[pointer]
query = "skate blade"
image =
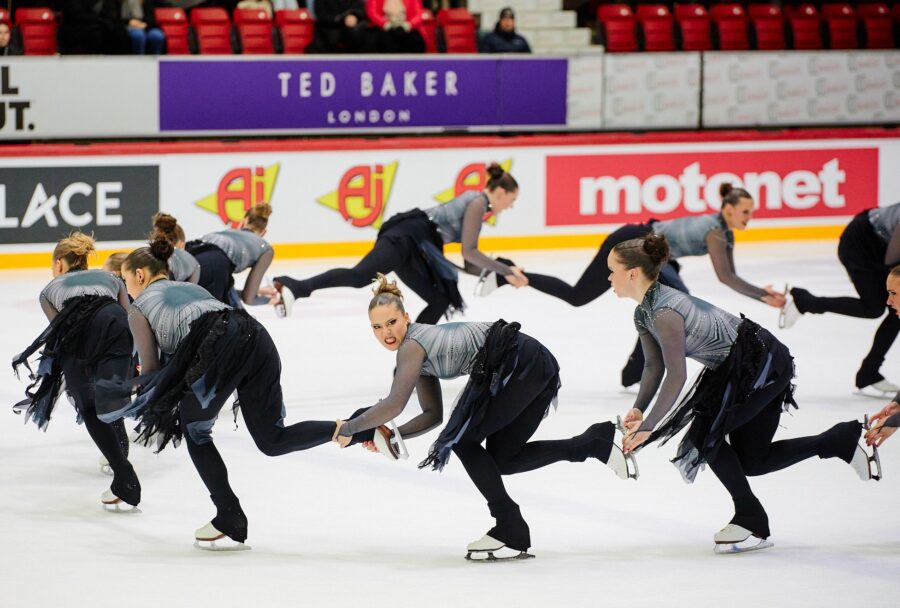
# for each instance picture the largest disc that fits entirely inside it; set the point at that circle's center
(220, 543)
(490, 557)
(874, 460)
(633, 471)
(750, 544)
(121, 507)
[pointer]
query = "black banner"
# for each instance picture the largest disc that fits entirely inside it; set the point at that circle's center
(43, 204)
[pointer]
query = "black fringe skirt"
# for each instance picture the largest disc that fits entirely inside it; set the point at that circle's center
(209, 363)
(414, 227)
(717, 403)
(91, 331)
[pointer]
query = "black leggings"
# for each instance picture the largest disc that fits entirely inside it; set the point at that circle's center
(751, 451)
(262, 407)
(513, 417)
(861, 251)
(388, 255)
(215, 273)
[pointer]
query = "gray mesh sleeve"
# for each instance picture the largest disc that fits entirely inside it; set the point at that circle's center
(893, 421)
(472, 221)
(255, 278)
(892, 256)
(410, 358)
(123, 297)
(722, 255)
(428, 390)
(144, 341)
(652, 375)
(48, 308)
(670, 328)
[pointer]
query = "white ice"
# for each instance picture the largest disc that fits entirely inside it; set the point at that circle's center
(340, 528)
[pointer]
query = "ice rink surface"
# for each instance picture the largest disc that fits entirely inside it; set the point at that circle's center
(342, 528)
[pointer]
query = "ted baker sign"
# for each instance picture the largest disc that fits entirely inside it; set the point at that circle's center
(610, 189)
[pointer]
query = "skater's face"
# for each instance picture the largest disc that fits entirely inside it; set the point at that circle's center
(624, 280)
(389, 324)
(501, 199)
(737, 216)
(893, 289)
(136, 280)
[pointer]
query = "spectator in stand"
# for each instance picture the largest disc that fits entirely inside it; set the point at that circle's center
(504, 38)
(340, 26)
(257, 4)
(6, 45)
(396, 25)
(93, 27)
(138, 17)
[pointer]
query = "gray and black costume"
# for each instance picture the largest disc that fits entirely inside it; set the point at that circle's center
(86, 342)
(868, 248)
(183, 267)
(210, 350)
(687, 236)
(412, 245)
(513, 380)
(224, 253)
(741, 394)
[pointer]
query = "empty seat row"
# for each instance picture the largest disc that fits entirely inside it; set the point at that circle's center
(730, 26)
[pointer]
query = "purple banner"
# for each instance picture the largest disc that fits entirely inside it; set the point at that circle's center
(213, 95)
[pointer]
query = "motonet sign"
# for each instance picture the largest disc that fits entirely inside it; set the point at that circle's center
(622, 188)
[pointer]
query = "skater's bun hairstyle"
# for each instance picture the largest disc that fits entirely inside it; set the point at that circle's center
(113, 263)
(258, 216)
(74, 250)
(731, 195)
(154, 257)
(498, 178)
(166, 226)
(386, 292)
(648, 253)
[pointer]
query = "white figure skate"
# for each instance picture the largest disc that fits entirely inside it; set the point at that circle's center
(209, 538)
(113, 504)
(390, 443)
(736, 539)
(631, 470)
(867, 466)
(485, 548)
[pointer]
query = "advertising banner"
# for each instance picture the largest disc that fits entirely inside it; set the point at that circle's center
(65, 97)
(222, 95)
(651, 90)
(785, 183)
(797, 88)
(43, 204)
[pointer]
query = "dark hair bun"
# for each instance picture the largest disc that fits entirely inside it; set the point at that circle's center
(164, 222)
(495, 171)
(725, 189)
(657, 248)
(162, 249)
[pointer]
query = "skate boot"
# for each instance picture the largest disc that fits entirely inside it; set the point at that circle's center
(631, 465)
(631, 374)
(867, 466)
(789, 313)
(881, 389)
(124, 495)
(487, 284)
(748, 530)
(286, 301)
(601, 445)
(389, 442)
(226, 532)
(511, 532)
(843, 441)
(104, 466)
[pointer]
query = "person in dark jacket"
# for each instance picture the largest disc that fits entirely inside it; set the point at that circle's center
(504, 38)
(93, 28)
(340, 26)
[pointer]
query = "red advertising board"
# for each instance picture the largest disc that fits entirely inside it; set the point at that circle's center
(785, 183)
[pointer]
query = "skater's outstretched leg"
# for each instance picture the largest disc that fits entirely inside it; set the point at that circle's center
(385, 257)
(436, 301)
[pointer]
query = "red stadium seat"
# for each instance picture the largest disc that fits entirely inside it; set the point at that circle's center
(174, 24)
(806, 28)
(618, 28)
(37, 26)
(694, 23)
(213, 29)
(4, 17)
(297, 29)
(840, 23)
(657, 26)
(458, 27)
(254, 27)
(878, 27)
(429, 31)
(731, 24)
(768, 27)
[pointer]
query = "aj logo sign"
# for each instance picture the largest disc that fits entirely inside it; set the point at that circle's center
(238, 191)
(362, 194)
